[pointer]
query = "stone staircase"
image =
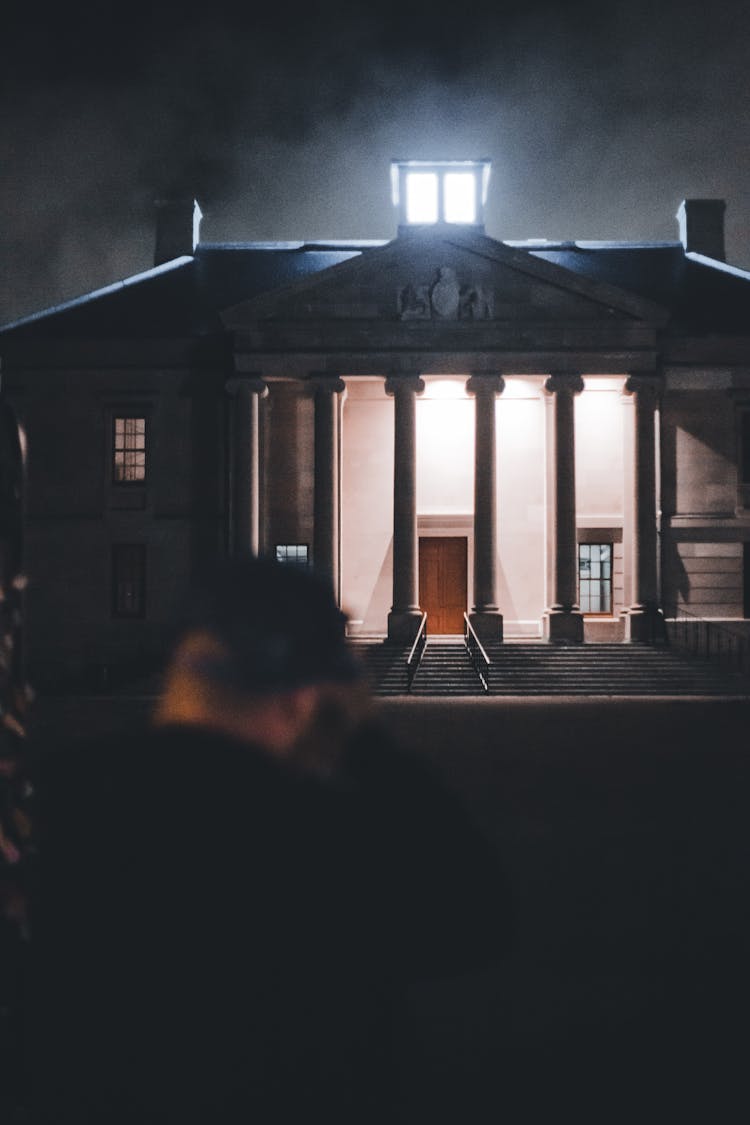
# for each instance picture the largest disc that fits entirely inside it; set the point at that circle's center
(446, 669)
(537, 668)
(385, 666)
(604, 669)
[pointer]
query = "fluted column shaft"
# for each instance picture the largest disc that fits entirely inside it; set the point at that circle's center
(485, 616)
(564, 619)
(404, 616)
(326, 389)
(246, 390)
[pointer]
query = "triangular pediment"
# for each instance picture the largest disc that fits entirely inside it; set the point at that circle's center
(444, 279)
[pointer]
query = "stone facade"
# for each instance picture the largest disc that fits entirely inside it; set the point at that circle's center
(345, 402)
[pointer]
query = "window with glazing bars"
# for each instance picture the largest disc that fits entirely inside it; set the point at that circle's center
(128, 579)
(595, 577)
(129, 451)
(294, 554)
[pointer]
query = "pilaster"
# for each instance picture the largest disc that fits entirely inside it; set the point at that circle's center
(326, 512)
(246, 391)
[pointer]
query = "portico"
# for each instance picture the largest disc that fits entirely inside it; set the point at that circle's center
(402, 460)
(445, 385)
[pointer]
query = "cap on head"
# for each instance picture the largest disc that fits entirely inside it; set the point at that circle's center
(280, 626)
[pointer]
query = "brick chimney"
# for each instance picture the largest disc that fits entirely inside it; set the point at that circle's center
(177, 228)
(702, 227)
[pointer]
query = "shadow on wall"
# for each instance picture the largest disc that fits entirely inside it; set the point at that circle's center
(376, 614)
(504, 598)
(676, 583)
(205, 474)
(701, 434)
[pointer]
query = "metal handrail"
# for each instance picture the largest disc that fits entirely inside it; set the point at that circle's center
(709, 640)
(469, 635)
(420, 642)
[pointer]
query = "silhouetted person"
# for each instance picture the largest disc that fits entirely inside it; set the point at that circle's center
(229, 908)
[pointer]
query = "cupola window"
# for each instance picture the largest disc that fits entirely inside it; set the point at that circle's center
(447, 191)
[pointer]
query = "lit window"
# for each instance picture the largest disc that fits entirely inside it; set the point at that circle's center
(292, 554)
(422, 197)
(440, 191)
(460, 204)
(128, 580)
(595, 577)
(129, 451)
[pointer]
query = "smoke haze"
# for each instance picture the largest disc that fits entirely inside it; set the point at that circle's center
(598, 122)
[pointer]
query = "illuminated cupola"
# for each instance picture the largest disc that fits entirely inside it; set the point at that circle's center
(430, 193)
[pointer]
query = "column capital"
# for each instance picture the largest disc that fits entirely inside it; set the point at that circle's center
(403, 384)
(646, 385)
(564, 383)
(485, 384)
(325, 381)
(250, 380)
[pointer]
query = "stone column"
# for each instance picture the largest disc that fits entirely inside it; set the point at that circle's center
(643, 619)
(485, 615)
(564, 621)
(403, 620)
(326, 389)
(244, 490)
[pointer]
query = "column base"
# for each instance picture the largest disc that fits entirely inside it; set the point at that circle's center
(644, 623)
(487, 624)
(403, 625)
(563, 626)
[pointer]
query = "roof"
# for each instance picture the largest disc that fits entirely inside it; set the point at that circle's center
(184, 299)
(702, 294)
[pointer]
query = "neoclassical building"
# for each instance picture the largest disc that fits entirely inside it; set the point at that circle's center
(551, 437)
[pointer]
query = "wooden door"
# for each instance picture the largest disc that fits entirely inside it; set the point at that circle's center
(442, 582)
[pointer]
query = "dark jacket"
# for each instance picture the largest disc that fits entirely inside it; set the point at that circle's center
(218, 938)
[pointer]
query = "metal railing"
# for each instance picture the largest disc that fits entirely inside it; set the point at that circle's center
(708, 640)
(417, 652)
(477, 655)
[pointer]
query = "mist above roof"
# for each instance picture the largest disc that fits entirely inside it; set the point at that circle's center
(178, 224)
(702, 227)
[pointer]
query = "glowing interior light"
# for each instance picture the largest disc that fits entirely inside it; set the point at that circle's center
(442, 388)
(460, 200)
(421, 197)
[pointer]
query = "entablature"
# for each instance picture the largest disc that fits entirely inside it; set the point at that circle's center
(387, 362)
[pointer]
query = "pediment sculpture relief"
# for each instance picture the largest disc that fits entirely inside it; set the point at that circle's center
(445, 299)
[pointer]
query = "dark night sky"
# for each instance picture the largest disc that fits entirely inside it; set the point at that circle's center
(599, 119)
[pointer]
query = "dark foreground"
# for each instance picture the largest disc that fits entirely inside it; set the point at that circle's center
(624, 828)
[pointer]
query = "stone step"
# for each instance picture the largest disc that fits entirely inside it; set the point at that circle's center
(446, 669)
(535, 668)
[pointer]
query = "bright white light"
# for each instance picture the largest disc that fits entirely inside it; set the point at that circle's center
(445, 463)
(523, 386)
(441, 388)
(604, 383)
(460, 200)
(421, 197)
